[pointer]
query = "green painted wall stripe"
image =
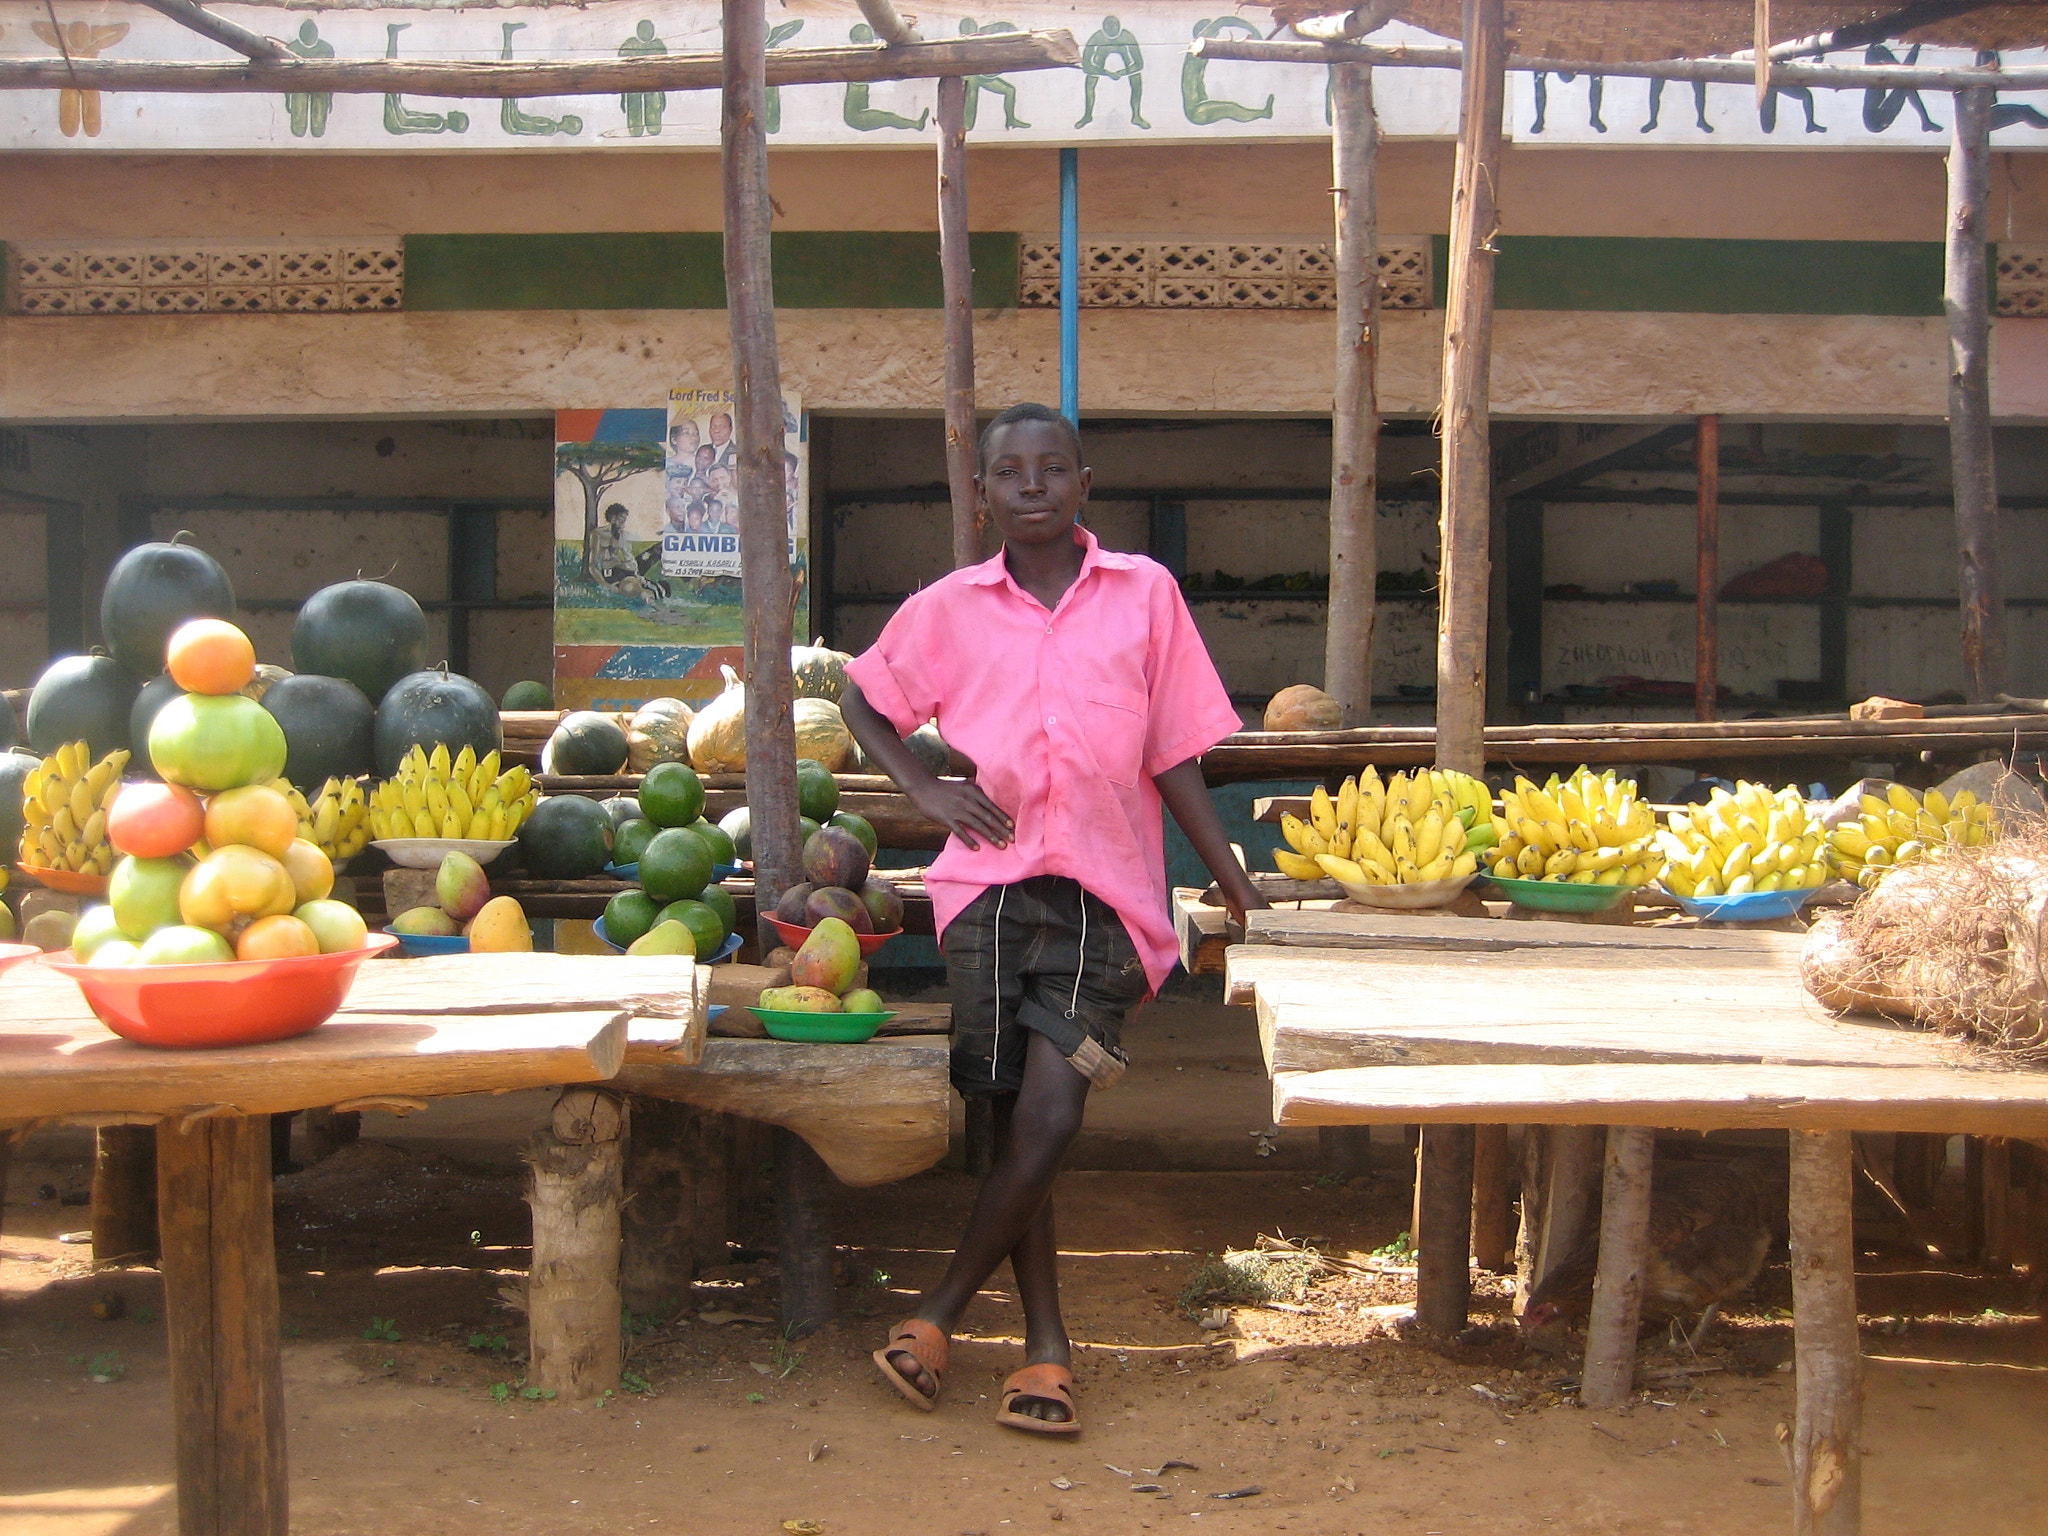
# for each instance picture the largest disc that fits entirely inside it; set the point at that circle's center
(823, 269)
(1713, 277)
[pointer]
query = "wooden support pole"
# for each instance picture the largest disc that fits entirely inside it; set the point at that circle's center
(1570, 1180)
(1610, 1371)
(1463, 581)
(1706, 651)
(1354, 411)
(768, 585)
(1535, 1183)
(1827, 1450)
(189, 13)
(574, 1187)
(1345, 1151)
(1966, 298)
(672, 1220)
(220, 1310)
(1443, 1278)
(1998, 1213)
(804, 1198)
(1973, 1200)
(124, 1195)
(956, 278)
(329, 1130)
(1493, 1183)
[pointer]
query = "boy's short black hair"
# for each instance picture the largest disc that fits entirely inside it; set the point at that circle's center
(1030, 410)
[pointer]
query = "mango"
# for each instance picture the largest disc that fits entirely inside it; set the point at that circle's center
(427, 922)
(791, 908)
(669, 938)
(461, 886)
(863, 1000)
(499, 928)
(829, 958)
(834, 856)
(800, 1000)
(884, 904)
(837, 901)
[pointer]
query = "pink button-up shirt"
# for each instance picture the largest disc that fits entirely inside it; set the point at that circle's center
(1067, 715)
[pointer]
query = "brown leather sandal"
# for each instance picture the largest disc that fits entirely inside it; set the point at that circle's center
(1054, 1383)
(923, 1342)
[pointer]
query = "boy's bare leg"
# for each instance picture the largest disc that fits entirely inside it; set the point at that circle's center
(1012, 1218)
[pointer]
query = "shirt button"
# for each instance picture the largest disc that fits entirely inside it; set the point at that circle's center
(1048, 629)
(1052, 719)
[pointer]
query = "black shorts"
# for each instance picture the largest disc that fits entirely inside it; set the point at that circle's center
(1041, 955)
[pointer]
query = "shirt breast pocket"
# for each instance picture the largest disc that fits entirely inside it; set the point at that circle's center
(1115, 721)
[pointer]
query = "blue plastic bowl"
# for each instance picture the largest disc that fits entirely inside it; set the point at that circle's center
(623, 871)
(729, 948)
(1752, 908)
(417, 944)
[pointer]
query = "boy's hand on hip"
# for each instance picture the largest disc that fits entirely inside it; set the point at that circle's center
(962, 809)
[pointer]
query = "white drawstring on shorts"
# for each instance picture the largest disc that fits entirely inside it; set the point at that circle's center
(996, 965)
(1081, 960)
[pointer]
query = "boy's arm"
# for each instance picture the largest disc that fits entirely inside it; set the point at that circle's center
(1187, 796)
(958, 806)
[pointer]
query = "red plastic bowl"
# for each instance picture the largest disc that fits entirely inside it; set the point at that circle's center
(227, 1002)
(12, 955)
(794, 936)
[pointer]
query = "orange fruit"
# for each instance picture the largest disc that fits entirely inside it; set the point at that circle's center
(235, 882)
(256, 816)
(311, 870)
(276, 938)
(210, 656)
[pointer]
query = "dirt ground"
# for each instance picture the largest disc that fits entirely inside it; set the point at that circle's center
(403, 1377)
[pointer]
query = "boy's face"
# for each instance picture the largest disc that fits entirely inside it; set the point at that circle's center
(1033, 484)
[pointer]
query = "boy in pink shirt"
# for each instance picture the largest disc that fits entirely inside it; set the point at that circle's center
(1074, 679)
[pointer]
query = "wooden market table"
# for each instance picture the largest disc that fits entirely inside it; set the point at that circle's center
(1449, 1021)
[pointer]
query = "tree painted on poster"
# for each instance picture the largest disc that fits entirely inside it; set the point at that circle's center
(597, 468)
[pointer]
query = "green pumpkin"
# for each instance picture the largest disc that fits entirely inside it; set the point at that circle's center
(659, 732)
(819, 670)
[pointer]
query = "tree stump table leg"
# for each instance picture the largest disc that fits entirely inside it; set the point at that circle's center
(808, 1299)
(1610, 1370)
(1535, 1182)
(1493, 1183)
(220, 1301)
(329, 1130)
(572, 1292)
(673, 1217)
(124, 1195)
(1443, 1238)
(1827, 1451)
(1572, 1170)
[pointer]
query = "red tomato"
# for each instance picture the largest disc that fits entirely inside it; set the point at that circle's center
(155, 821)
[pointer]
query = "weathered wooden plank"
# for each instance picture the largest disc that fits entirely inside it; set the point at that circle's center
(1204, 933)
(1703, 1097)
(1311, 928)
(75, 1066)
(874, 1112)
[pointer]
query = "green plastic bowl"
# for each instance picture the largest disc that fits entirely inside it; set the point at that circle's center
(821, 1028)
(1558, 895)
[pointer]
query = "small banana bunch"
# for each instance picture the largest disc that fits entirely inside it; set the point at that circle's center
(64, 804)
(1589, 829)
(1405, 831)
(1752, 840)
(1900, 827)
(336, 821)
(433, 796)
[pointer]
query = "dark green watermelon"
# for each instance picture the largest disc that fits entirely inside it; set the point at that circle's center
(155, 694)
(329, 728)
(428, 708)
(10, 724)
(586, 743)
(568, 837)
(81, 698)
(369, 632)
(154, 588)
(14, 767)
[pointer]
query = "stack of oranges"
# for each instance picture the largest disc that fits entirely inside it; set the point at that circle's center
(213, 866)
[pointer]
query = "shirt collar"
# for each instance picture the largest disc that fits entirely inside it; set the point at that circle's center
(994, 572)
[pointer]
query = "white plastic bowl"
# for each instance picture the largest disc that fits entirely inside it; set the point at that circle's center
(1426, 893)
(428, 852)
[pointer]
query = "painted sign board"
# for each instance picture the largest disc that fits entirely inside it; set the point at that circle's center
(638, 615)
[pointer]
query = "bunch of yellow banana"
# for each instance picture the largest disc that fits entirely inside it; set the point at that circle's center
(1404, 831)
(64, 806)
(1589, 829)
(1900, 827)
(467, 797)
(1752, 840)
(336, 820)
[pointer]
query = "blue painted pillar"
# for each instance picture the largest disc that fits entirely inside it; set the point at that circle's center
(1070, 283)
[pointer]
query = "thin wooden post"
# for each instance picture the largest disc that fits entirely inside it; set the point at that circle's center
(1706, 657)
(673, 1216)
(1966, 298)
(956, 277)
(1493, 1182)
(1443, 1267)
(1973, 1199)
(1345, 1151)
(1573, 1171)
(572, 1291)
(804, 1197)
(124, 1194)
(1827, 1451)
(220, 1309)
(1610, 1370)
(329, 1130)
(1998, 1203)
(757, 410)
(1354, 411)
(1463, 579)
